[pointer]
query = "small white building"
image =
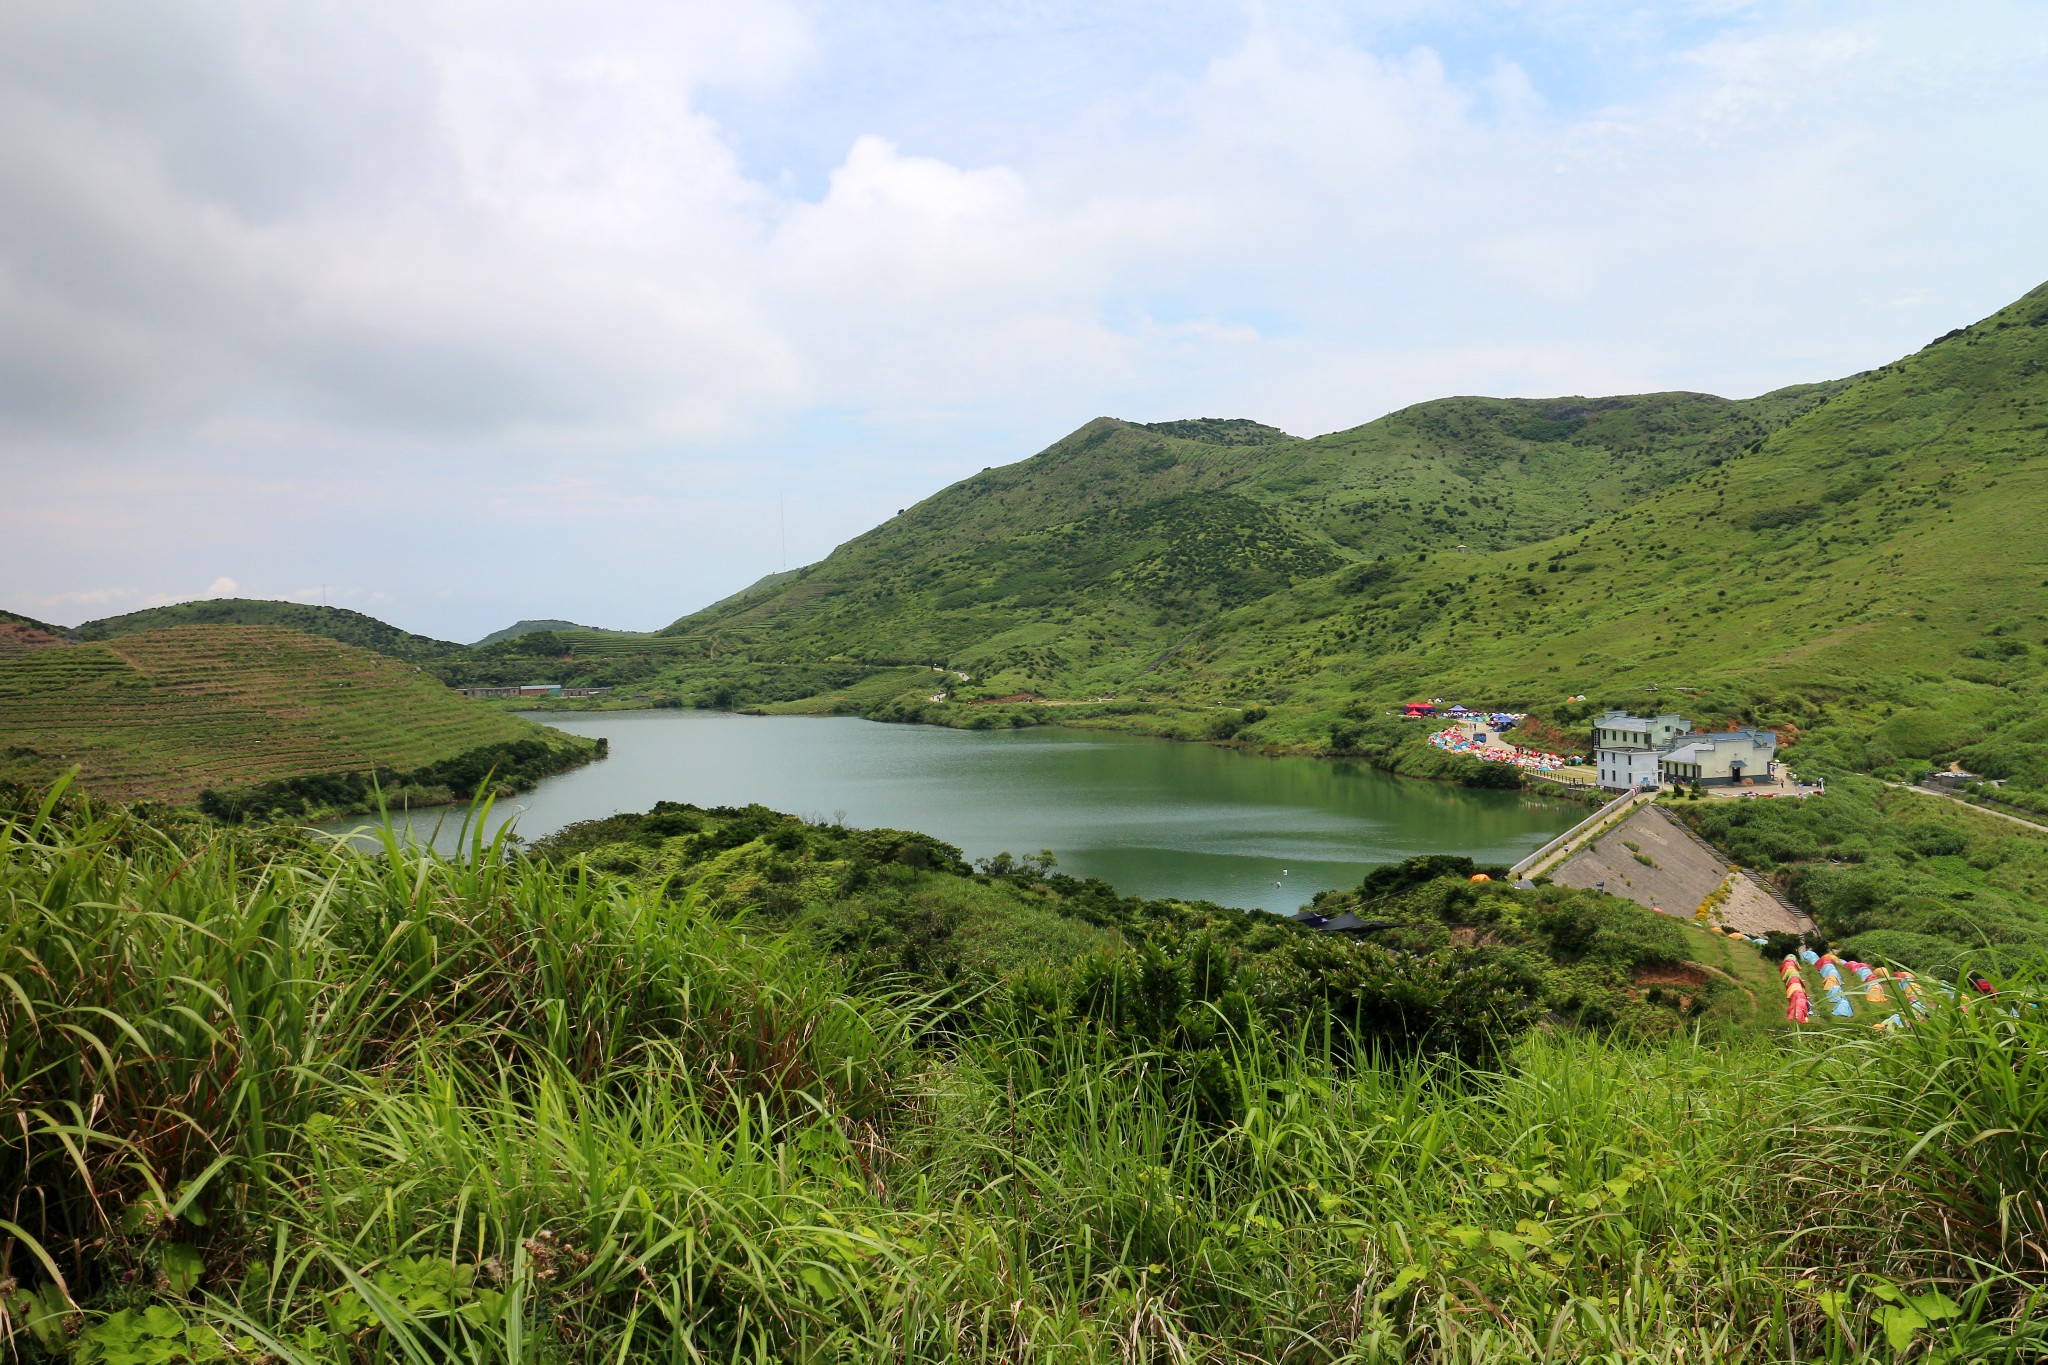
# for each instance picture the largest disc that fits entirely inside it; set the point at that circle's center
(1626, 747)
(1720, 760)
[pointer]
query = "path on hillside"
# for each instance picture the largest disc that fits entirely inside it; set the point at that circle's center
(1970, 805)
(1558, 850)
(1681, 872)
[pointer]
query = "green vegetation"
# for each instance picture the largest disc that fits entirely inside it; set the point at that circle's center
(519, 628)
(15, 618)
(890, 905)
(1842, 563)
(1900, 876)
(333, 623)
(269, 1098)
(268, 719)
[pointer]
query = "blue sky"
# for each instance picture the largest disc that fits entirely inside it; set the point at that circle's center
(458, 314)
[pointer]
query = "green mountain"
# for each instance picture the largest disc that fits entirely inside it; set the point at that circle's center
(519, 628)
(1865, 549)
(334, 623)
(1074, 569)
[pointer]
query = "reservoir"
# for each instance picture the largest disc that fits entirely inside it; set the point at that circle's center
(1151, 817)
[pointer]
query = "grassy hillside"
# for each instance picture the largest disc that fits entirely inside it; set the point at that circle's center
(334, 623)
(15, 618)
(170, 714)
(519, 628)
(1856, 559)
(269, 1099)
(896, 906)
(1074, 570)
(25, 632)
(1857, 565)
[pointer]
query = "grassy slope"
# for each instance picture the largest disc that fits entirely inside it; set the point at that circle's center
(1873, 570)
(15, 618)
(1855, 558)
(529, 627)
(19, 632)
(166, 714)
(1075, 569)
(334, 623)
(335, 1106)
(899, 906)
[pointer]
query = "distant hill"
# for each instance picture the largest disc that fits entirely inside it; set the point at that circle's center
(15, 618)
(519, 628)
(1864, 548)
(1220, 431)
(1075, 569)
(334, 623)
(169, 714)
(25, 632)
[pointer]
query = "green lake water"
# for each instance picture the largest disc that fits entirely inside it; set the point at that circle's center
(1151, 817)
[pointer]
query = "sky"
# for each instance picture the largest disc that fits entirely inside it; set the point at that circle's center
(460, 313)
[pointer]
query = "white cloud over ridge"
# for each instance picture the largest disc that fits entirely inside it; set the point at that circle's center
(371, 292)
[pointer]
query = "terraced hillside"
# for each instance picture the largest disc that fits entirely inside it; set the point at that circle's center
(168, 714)
(335, 623)
(1073, 570)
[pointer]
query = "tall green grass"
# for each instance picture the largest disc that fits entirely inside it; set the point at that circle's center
(262, 1097)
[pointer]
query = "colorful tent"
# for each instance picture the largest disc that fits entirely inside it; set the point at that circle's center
(1909, 986)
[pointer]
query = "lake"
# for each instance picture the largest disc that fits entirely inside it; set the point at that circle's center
(1151, 817)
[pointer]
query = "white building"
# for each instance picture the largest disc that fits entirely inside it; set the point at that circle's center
(1626, 747)
(1719, 760)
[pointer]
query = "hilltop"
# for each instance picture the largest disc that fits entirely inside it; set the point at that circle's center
(25, 632)
(333, 623)
(265, 719)
(519, 628)
(1072, 570)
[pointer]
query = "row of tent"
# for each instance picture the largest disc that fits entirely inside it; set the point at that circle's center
(1456, 741)
(1499, 720)
(1875, 985)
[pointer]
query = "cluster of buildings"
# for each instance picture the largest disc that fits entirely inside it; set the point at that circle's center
(1665, 751)
(1628, 751)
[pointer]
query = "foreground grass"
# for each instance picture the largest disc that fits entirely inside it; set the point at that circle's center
(263, 1098)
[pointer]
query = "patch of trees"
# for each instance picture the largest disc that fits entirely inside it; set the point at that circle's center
(1774, 518)
(509, 767)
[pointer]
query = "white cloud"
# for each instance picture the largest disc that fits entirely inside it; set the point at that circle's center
(361, 290)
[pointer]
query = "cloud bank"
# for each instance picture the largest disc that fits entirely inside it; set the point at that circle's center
(498, 311)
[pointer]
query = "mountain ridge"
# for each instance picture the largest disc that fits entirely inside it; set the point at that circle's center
(333, 623)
